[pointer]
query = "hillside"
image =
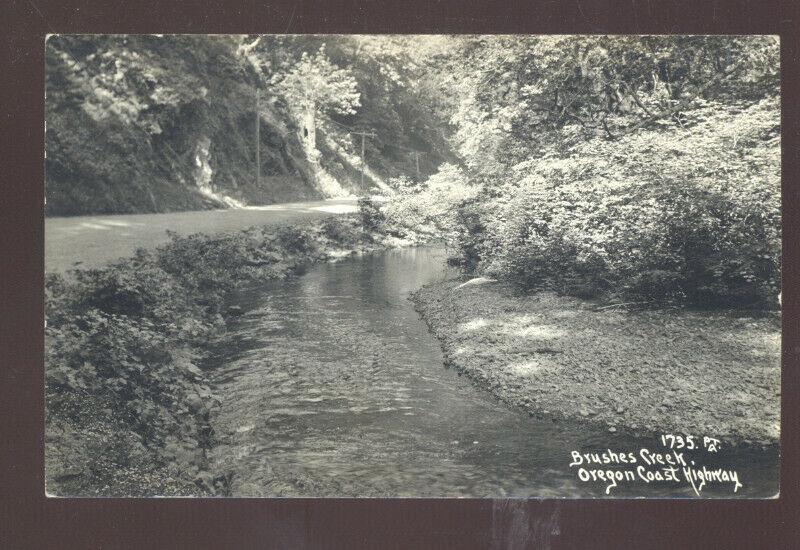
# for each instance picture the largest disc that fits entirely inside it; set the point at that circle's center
(140, 124)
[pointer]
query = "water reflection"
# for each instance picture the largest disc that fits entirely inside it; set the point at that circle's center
(332, 386)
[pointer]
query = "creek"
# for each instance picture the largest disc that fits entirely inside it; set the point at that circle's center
(332, 385)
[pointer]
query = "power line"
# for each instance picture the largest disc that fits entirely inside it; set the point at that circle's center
(351, 129)
(356, 131)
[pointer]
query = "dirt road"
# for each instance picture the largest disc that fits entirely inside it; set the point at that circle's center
(91, 241)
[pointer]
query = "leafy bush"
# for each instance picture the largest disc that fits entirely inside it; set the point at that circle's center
(697, 224)
(370, 214)
(434, 204)
(342, 230)
(124, 345)
(295, 240)
(123, 336)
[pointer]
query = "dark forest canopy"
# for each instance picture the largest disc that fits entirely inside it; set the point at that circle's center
(642, 168)
(160, 123)
(531, 91)
(646, 165)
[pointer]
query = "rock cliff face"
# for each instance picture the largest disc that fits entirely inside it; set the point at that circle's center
(155, 124)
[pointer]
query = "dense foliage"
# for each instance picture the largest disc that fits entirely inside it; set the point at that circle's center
(128, 396)
(155, 124)
(316, 81)
(516, 97)
(375, 84)
(162, 123)
(434, 204)
(645, 169)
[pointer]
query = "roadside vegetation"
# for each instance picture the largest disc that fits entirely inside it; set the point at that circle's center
(129, 402)
(638, 170)
(153, 123)
(581, 178)
(617, 207)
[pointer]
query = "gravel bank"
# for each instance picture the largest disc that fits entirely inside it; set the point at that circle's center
(643, 373)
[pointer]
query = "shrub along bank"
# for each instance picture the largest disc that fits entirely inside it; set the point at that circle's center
(128, 399)
(666, 234)
(688, 214)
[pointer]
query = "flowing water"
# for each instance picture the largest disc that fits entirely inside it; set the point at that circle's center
(332, 385)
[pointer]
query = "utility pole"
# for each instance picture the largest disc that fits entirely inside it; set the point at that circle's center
(363, 135)
(258, 142)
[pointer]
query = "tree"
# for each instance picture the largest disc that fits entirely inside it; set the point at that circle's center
(315, 81)
(519, 95)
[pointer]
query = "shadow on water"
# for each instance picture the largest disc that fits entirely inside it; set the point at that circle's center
(332, 386)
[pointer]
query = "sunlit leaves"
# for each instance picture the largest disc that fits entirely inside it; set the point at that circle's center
(314, 80)
(521, 95)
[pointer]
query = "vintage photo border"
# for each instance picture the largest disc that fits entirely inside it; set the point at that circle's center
(30, 520)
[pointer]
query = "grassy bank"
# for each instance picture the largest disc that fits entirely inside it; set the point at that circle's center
(128, 398)
(639, 372)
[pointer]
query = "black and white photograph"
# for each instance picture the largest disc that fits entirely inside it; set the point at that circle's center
(388, 266)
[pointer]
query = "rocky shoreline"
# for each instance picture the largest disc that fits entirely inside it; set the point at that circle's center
(639, 373)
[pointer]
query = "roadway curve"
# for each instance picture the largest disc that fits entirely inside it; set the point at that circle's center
(92, 241)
